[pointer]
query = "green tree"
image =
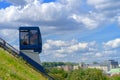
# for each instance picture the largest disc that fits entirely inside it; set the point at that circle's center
(87, 74)
(58, 74)
(114, 77)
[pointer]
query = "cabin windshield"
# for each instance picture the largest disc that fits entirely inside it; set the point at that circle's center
(33, 37)
(29, 37)
(24, 37)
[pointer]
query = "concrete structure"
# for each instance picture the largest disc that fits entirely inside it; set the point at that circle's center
(83, 65)
(106, 65)
(65, 67)
(111, 64)
(97, 66)
(76, 67)
(114, 71)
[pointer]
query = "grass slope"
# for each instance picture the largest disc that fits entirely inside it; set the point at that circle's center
(12, 68)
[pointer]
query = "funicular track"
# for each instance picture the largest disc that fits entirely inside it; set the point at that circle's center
(8, 47)
(17, 53)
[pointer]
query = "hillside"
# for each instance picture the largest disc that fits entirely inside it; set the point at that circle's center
(12, 68)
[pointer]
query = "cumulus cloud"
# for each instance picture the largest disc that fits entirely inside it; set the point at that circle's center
(67, 47)
(112, 44)
(9, 35)
(109, 8)
(104, 4)
(98, 54)
(60, 55)
(53, 14)
(119, 20)
(61, 15)
(80, 51)
(88, 22)
(72, 50)
(77, 47)
(109, 52)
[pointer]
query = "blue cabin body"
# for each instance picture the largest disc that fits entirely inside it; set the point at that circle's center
(30, 39)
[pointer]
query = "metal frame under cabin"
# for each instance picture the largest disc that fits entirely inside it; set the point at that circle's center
(36, 47)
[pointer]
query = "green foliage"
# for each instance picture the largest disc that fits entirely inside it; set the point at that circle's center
(86, 74)
(58, 74)
(12, 68)
(81, 74)
(115, 77)
(54, 64)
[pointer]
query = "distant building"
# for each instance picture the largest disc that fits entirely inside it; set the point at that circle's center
(76, 67)
(110, 64)
(106, 65)
(83, 65)
(59, 67)
(66, 67)
(97, 66)
(114, 71)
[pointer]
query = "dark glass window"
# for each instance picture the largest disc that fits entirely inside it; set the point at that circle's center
(29, 37)
(24, 37)
(33, 37)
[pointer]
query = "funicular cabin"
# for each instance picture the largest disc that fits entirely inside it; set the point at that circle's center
(30, 39)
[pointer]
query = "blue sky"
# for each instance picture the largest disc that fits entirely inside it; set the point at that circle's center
(72, 30)
(4, 4)
(47, 1)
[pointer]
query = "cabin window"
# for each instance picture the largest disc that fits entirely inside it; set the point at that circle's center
(24, 37)
(29, 37)
(33, 37)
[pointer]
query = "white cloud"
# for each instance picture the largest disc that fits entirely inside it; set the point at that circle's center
(119, 20)
(98, 55)
(112, 44)
(88, 22)
(9, 35)
(104, 4)
(42, 14)
(59, 17)
(5, 16)
(56, 43)
(81, 51)
(59, 55)
(46, 46)
(77, 47)
(109, 52)
(67, 47)
(108, 8)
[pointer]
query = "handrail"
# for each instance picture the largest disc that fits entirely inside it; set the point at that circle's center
(8, 47)
(12, 48)
(17, 53)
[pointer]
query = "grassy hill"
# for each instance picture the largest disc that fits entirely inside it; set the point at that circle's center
(12, 68)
